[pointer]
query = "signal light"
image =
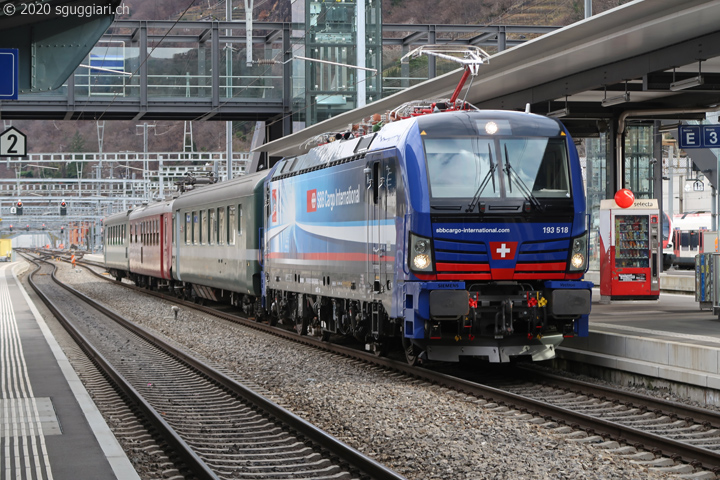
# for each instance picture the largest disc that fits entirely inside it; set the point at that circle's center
(62, 230)
(63, 208)
(27, 227)
(43, 226)
(11, 228)
(19, 208)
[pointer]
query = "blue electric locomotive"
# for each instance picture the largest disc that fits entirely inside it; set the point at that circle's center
(455, 234)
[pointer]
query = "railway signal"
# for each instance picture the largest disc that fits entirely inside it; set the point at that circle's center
(11, 227)
(27, 227)
(19, 208)
(63, 208)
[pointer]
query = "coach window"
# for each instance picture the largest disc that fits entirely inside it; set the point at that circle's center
(212, 233)
(222, 233)
(203, 227)
(196, 228)
(231, 225)
(157, 231)
(240, 229)
(172, 234)
(188, 228)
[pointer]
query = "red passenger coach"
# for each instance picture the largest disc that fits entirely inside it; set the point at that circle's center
(151, 243)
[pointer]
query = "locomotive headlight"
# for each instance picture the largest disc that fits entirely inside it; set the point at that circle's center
(577, 261)
(420, 254)
(421, 262)
(578, 257)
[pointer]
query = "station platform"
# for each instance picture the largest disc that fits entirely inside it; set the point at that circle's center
(51, 429)
(670, 340)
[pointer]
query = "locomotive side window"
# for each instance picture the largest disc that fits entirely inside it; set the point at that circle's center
(222, 233)
(231, 225)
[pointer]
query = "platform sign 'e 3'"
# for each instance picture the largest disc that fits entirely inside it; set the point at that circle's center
(699, 136)
(13, 143)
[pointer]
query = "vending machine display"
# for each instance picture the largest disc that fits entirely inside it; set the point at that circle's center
(632, 245)
(630, 250)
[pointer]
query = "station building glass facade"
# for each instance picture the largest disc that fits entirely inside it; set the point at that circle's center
(347, 32)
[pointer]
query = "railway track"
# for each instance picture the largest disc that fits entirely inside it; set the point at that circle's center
(688, 437)
(217, 427)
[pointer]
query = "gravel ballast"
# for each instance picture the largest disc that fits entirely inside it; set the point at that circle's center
(422, 431)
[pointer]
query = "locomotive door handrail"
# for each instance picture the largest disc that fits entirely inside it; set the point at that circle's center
(376, 215)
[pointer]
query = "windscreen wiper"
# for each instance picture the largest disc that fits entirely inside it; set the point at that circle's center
(489, 176)
(521, 185)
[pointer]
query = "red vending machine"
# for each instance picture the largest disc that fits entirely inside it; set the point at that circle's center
(630, 253)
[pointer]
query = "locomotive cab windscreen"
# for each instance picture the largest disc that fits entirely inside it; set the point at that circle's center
(495, 160)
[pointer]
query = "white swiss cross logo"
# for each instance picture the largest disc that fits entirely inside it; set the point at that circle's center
(503, 250)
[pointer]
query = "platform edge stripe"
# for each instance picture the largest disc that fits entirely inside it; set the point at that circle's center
(114, 453)
(21, 399)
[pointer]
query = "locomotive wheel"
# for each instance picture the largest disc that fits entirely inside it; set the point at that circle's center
(412, 351)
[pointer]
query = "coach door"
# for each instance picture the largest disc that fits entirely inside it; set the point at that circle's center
(381, 205)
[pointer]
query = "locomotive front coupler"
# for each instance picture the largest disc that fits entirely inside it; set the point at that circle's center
(503, 319)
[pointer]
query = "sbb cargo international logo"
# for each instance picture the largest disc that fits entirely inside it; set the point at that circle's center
(312, 200)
